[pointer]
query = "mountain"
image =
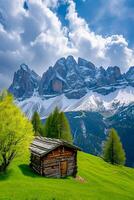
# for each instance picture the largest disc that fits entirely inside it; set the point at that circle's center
(90, 130)
(92, 101)
(86, 134)
(74, 79)
(93, 98)
(73, 86)
(25, 82)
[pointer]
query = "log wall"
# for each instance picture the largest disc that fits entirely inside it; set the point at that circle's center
(36, 164)
(58, 163)
(52, 162)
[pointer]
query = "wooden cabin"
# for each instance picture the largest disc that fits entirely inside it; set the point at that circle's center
(53, 157)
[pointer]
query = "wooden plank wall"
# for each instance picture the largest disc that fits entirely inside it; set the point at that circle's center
(36, 164)
(49, 165)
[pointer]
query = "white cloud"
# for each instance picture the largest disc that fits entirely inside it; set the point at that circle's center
(51, 3)
(112, 50)
(37, 37)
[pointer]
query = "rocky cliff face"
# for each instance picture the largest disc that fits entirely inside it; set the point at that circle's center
(25, 82)
(129, 76)
(72, 78)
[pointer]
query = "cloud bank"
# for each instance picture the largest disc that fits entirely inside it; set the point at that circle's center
(33, 34)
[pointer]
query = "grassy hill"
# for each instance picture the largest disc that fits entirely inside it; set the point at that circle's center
(100, 181)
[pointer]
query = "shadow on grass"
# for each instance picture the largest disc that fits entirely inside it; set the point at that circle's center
(5, 175)
(27, 171)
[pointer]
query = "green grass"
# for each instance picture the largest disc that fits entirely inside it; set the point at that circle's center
(102, 182)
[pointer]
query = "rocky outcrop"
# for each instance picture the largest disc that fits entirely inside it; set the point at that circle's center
(74, 79)
(25, 82)
(130, 76)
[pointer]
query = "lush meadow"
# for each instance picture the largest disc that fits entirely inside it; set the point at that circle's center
(97, 180)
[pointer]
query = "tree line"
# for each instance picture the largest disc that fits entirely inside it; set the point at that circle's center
(55, 126)
(17, 133)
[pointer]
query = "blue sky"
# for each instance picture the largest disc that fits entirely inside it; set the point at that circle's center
(104, 20)
(42, 31)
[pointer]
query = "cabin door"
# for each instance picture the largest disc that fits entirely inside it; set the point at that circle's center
(63, 168)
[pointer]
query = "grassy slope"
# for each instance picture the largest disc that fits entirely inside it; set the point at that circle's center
(103, 182)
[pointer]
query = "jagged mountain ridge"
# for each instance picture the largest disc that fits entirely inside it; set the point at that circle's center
(25, 82)
(73, 86)
(74, 79)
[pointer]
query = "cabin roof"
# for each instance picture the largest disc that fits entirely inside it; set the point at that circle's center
(42, 145)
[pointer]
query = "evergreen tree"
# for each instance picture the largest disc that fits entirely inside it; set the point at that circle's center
(48, 126)
(55, 123)
(65, 131)
(57, 126)
(52, 124)
(37, 124)
(113, 150)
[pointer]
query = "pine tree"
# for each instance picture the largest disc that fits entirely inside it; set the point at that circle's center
(57, 126)
(55, 123)
(48, 126)
(113, 150)
(65, 131)
(52, 124)
(37, 124)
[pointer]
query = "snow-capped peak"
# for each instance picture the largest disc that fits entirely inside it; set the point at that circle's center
(73, 85)
(92, 101)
